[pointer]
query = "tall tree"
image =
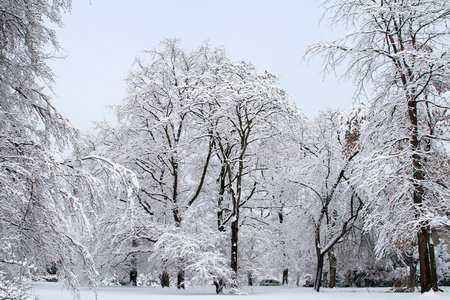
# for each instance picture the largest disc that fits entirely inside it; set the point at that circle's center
(248, 107)
(41, 217)
(164, 134)
(399, 49)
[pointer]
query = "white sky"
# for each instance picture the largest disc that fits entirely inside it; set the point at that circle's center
(101, 38)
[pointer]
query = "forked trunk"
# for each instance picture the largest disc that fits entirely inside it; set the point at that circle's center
(219, 286)
(426, 280)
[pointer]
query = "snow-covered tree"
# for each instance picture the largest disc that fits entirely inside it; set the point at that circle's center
(47, 198)
(38, 211)
(332, 203)
(248, 107)
(159, 135)
(194, 247)
(399, 50)
(277, 215)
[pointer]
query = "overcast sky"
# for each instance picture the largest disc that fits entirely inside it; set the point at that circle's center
(101, 38)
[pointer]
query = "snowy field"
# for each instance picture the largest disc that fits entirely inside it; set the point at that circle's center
(55, 291)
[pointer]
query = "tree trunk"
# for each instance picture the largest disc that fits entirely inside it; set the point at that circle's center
(180, 279)
(234, 246)
(412, 264)
(165, 279)
(332, 262)
(418, 194)
(133, 277)
(434, 278)
(285, 276)
(222, 186)
(250, 278)
(319, 271)
(219, 286)
(133, 271)
(424, 261)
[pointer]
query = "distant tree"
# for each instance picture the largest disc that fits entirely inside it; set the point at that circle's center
(333, 204)
(280, 159)
(400, 50)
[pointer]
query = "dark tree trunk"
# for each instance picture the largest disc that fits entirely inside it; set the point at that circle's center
(332, 262)
(180, 279)
(426, 280)
(424, 261)
(319, 271)
(219, 286)
(250, 279)
(222, 185)
(133, 271)
(234, 245)
(165, 279)
(285, 276)
(133, 277)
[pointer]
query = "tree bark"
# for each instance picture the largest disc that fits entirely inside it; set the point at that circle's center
(434, 278)
(234, 245)
(412, 264)
(319, 271)
(332, 262)
(165, 279)
(133, 277)
(418, 194)
(222, 185)
(424, 261)
(180, 279)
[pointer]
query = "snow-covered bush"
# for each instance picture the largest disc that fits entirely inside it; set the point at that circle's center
(194, 248)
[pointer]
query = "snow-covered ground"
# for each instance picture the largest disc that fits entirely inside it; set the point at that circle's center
(55, 291)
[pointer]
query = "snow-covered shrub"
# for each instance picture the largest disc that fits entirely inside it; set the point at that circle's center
(194, 248)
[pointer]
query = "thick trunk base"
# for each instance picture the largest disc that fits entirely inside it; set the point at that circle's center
(165, 279)
(333, 263)
(180, 279)
(133, 277)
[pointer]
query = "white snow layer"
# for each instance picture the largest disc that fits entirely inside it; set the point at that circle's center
(56, 291)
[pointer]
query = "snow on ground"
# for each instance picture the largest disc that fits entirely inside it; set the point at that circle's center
(56, 291)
